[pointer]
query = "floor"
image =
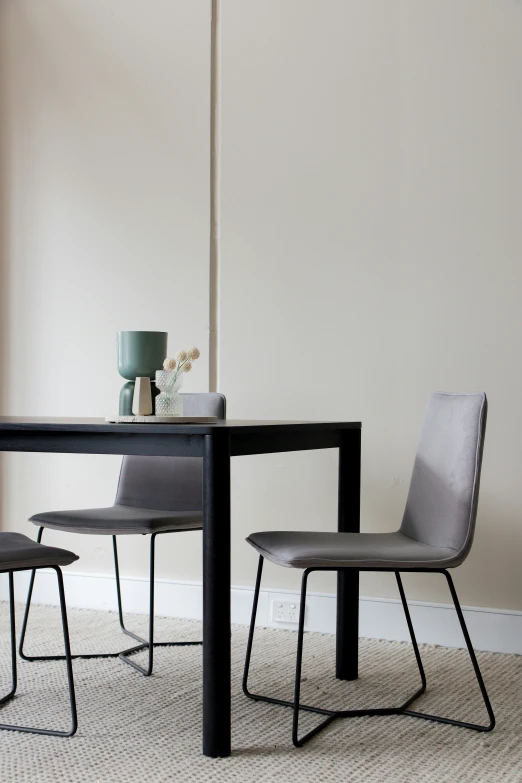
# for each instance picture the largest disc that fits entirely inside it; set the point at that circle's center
(134, 729)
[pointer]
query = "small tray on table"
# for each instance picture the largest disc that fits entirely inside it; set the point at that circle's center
(161, 419)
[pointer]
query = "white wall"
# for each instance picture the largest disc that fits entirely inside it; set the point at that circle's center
(370, 191)
(104, 116)
(371, 241)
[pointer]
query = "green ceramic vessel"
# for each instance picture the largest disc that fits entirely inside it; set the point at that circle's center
(140, 354)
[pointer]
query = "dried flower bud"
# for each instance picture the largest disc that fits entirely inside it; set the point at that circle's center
(193, 353)
(169, 364)
(187, 367)
(181, 356)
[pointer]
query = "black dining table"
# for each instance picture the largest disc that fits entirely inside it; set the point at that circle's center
(216, 444)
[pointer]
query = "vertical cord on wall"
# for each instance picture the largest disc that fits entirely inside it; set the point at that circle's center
(215, 106)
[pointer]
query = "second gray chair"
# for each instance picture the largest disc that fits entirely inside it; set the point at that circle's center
(155, 495)
(436, 534)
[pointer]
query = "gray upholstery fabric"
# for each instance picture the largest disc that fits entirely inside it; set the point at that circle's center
(205, 404)
(439, 519)
(18, 551)
(162, 483)
(154, 493)
(118, 520)
(360, 550)
(442, 501)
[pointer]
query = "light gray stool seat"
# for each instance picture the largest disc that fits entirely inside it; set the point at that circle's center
(119, 520)
(18, 552)
(436, 533)
(350, 550)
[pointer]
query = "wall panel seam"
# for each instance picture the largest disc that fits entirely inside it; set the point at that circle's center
(215, 185)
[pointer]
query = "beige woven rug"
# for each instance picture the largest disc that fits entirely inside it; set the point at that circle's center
(134, 729)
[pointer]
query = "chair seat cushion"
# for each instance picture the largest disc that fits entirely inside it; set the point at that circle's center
(119, 520)
(345, 550)
(18, 551)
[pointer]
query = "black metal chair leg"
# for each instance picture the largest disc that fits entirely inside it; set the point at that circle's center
(145, 671)
(298, 743)
(13, 641)
(268, 699)
(295, 705)
(413, 642)
(331, 715)
(25, 621)
(67, 657)
(251, 631)
(258, 696)
(142, 643)
(476, 726)
(28, 606)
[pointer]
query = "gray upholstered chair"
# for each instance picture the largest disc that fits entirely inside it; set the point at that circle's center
(155, 495)
(436, 534)
(19, 553)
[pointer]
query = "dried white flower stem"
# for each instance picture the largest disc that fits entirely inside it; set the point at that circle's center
(183, 358)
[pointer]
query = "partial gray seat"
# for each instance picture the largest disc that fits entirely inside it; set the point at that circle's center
(19, 553)
(119, 520)
(155, 495)
(436, 533)
(349, 550)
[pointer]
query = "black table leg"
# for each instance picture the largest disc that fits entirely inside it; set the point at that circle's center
(216, 595)
(347, 662)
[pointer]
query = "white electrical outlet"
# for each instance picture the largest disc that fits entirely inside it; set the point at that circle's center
(285, 612)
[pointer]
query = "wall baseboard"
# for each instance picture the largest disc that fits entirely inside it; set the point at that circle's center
(494, 630)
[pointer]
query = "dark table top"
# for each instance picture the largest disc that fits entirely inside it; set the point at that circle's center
(96, 436)
(235, 426)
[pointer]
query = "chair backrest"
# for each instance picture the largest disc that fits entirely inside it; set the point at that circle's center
(169, 483)
(442, 501)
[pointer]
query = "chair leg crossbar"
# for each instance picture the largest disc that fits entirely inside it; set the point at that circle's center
(143, 644)
(67, 657)
(331, 715)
